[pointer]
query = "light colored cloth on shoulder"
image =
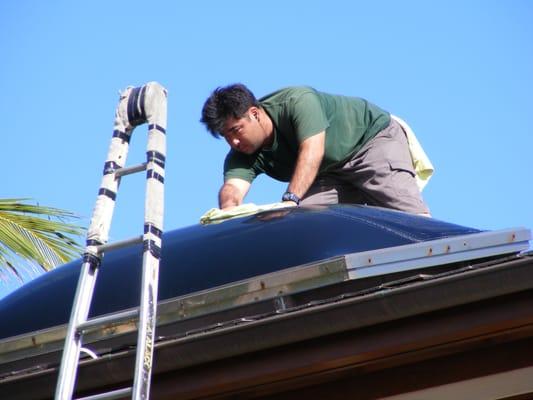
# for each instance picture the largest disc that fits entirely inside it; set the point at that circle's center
(423, 167)
(216, 215)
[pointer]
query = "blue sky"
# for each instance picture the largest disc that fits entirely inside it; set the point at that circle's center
(459, 72)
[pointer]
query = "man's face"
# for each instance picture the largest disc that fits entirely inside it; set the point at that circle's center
(244, 134)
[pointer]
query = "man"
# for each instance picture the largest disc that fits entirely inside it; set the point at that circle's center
(330, 148)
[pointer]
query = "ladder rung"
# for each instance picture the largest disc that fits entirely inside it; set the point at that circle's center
(115, 394)
(119, 244)
(107, 319)
(130, 170)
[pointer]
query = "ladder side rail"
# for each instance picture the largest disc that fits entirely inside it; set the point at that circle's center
(80, 310)
(156, 114)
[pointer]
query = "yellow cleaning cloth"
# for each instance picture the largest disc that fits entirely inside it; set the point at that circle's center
(216, 215)
(423, 167)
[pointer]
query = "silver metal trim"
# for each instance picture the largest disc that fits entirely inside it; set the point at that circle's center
(437, 252)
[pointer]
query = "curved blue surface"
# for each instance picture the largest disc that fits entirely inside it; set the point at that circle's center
(201, 257)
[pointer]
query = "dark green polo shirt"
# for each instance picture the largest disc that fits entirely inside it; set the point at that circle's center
(298, 113)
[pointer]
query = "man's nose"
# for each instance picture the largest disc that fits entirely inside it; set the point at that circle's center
(235, 142)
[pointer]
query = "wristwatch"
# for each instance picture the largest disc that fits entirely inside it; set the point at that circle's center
(289, 196)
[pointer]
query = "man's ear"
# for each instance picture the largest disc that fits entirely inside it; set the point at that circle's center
(254, 113)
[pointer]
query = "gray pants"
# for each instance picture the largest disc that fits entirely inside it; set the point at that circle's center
(380, 174)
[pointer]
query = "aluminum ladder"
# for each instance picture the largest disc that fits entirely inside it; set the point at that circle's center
(139, 105)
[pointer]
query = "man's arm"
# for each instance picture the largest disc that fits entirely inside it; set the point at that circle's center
(310, 155)
(232, 193)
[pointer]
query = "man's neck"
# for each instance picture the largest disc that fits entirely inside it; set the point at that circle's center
(268, 127)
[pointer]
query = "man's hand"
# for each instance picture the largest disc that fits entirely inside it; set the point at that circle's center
(310, 155)
(232, 193)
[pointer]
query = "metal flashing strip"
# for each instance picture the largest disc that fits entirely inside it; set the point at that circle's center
(263, 287)
(278, 284)
(259, 288)
(31, 344)
(437, 252)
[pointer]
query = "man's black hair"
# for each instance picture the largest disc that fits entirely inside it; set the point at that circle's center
(229, 101)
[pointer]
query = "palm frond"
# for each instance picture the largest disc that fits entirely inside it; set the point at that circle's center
(37, 234)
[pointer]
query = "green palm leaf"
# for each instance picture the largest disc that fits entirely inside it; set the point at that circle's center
(36, 234)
